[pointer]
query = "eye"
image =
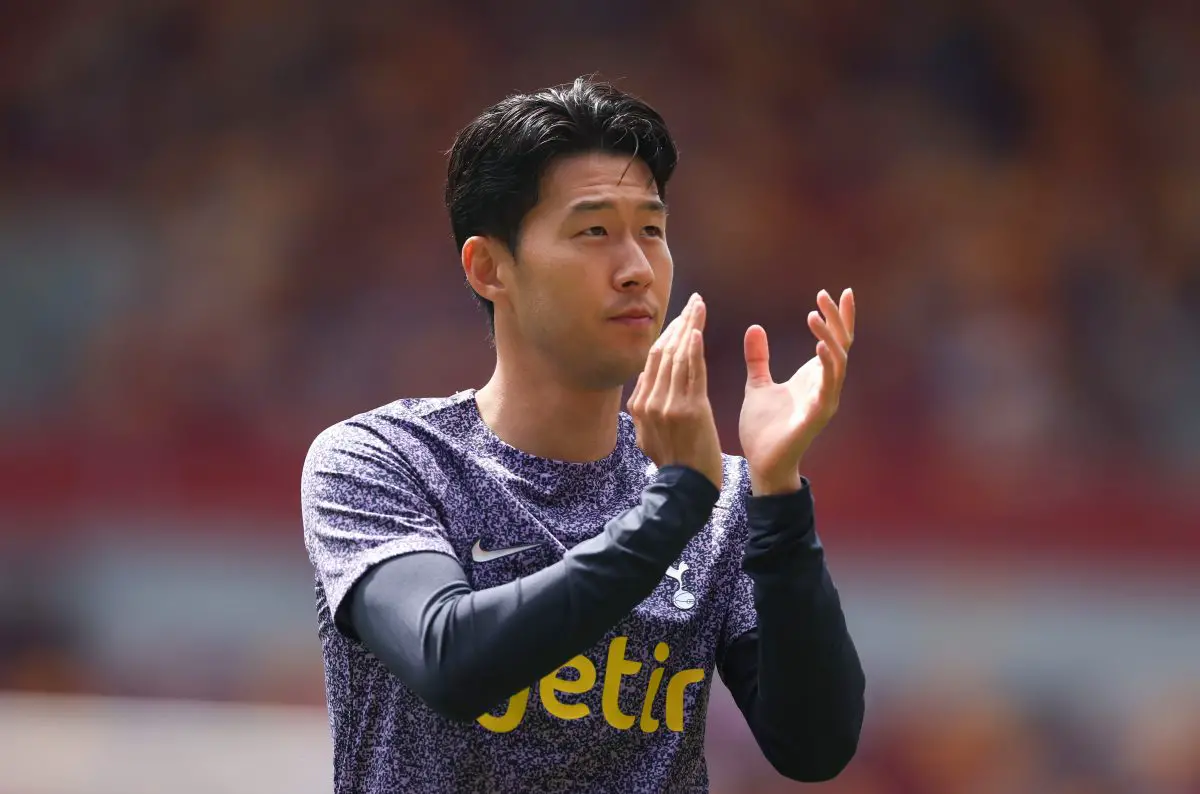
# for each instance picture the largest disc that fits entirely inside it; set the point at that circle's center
(594, 231)
(653, 231)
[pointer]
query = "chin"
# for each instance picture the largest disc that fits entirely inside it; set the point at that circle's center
(633, 367)
(616, 370)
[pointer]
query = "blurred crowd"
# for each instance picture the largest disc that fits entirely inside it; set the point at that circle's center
(223, 218)
(221, 230)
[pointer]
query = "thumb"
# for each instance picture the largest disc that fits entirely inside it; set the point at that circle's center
(758, 368)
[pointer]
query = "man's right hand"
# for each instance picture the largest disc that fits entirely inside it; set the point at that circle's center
(669, 404)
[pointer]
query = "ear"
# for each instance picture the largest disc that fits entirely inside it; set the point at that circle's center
(485, 262)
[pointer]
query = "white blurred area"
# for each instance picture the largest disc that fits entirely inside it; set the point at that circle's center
(993, 668)
(55, 744)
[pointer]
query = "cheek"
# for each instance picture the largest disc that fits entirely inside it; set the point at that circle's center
(664, 275)
(543, 274)
(557, 302)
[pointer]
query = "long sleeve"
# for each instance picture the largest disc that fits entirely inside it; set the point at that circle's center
(796, 677)
(419, 616)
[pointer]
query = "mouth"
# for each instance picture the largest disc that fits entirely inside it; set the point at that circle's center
(638, 319)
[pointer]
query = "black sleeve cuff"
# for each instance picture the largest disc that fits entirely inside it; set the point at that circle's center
(782, 530)
(698, 492)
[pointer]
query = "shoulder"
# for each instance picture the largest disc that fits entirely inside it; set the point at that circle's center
(402, 432)
(410, 421)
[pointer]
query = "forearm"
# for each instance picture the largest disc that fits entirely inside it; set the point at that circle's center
(800, 681)
(442, 639)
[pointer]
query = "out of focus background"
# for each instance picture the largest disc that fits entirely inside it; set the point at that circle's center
(221, 231)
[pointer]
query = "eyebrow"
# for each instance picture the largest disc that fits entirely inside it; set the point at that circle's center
(651, 205)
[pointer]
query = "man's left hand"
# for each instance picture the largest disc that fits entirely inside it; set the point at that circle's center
(779, 421)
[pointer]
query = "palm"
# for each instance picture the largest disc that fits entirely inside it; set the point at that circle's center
(779, 421)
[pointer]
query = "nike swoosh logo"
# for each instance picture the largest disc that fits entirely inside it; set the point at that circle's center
(480, 554)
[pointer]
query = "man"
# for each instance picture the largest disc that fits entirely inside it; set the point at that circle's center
(520, 588)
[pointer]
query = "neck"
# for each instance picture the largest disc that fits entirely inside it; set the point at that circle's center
(542, 416)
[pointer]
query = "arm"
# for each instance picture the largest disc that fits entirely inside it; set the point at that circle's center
(799, 681)
(797, 677)
(419, 616)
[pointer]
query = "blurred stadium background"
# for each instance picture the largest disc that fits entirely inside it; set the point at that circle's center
(221, 231)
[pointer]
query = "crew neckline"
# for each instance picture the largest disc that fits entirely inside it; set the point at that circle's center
(517, 457)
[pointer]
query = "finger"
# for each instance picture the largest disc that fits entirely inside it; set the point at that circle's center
(681, 373)
(673, 327)
(669, 332)
(632, 403)
(649, 375)
(700, 313)
(679, 326)
(637, 401)
(825, 334)
(661, 385)
(848, 310)
(699, 369)
(833, 318)
(655, 357)
(758, 357)
(685, 360)
(692, 314)
(682, 343)
(830, 378)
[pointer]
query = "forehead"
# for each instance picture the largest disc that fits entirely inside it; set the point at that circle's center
(596, 175)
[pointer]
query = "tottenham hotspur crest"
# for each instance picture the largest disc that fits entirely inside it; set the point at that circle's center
(682, 598)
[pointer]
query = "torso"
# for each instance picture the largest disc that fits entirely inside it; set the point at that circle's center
(639, 725)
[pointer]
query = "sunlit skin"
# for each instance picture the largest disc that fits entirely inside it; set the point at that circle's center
(779, 421)
(582, 300)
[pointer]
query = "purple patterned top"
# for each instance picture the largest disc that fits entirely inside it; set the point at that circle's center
(625, 715)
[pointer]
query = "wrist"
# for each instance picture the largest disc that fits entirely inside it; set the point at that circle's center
(775, 483)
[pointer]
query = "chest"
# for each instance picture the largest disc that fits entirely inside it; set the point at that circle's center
(503, 527)
(650, 670)
(500, 540)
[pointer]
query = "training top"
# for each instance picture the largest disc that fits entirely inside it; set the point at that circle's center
(627, 711)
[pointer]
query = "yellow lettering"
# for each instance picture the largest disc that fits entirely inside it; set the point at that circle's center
(615, 668)
(675, 689)
(552, 684)
(511, 717)
(648, 724)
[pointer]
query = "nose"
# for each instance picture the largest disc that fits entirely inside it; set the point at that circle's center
(635, 270)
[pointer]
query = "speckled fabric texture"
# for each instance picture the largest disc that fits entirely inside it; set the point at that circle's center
(626, 715)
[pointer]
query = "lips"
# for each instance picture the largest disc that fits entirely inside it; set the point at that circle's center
(636, 318)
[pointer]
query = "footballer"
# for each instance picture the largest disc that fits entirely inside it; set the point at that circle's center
(520, 587)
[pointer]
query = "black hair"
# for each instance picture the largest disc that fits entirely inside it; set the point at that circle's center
(497, 161)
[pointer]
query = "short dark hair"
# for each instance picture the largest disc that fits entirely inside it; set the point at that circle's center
(497, 161)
